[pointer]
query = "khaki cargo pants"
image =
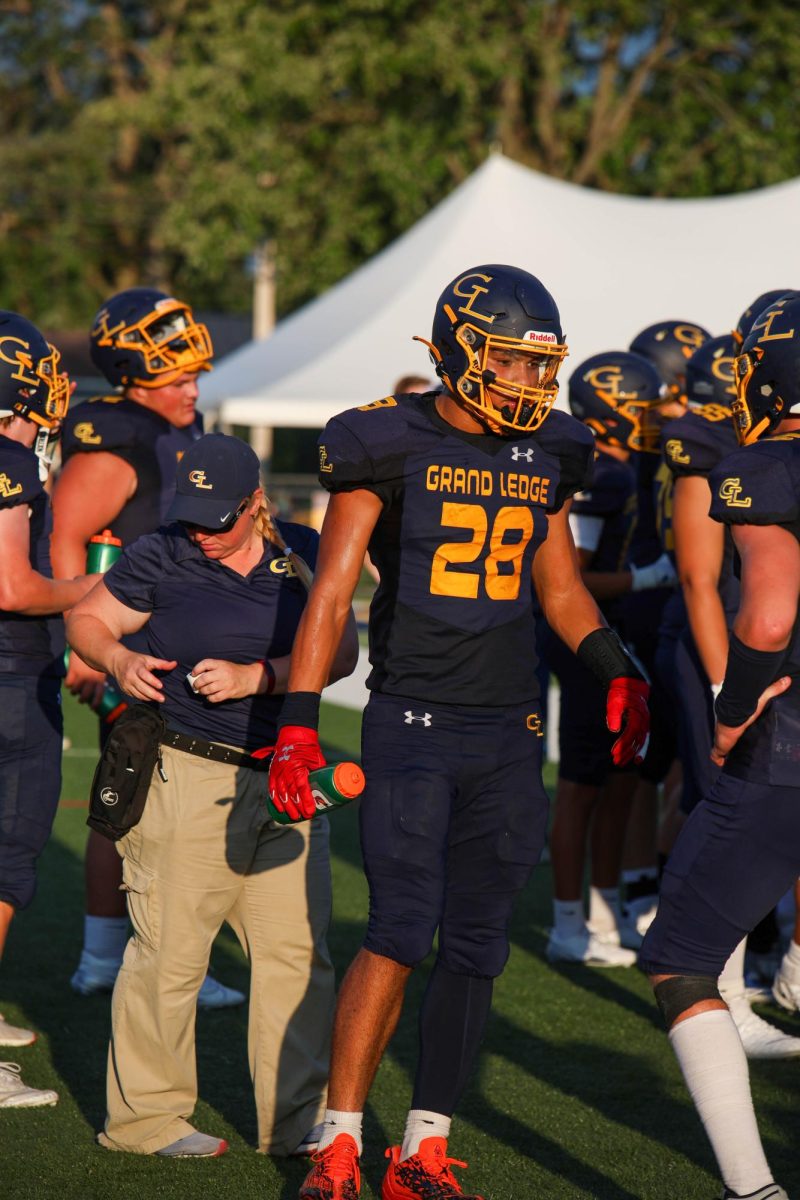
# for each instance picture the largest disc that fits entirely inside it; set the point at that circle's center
(206, 852)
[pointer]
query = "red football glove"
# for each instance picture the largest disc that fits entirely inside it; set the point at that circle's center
(627, 701)
(296, 753)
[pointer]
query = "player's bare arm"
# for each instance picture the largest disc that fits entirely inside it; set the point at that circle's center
(24, 590)
(570, 609)
(770, 586)
(349, 522)
(699, 549)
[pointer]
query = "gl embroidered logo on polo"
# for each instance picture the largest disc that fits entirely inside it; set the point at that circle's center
(730, 491)
(425, 719)
(198, 478)
(283, 566)
(7, 488)
(517, 454)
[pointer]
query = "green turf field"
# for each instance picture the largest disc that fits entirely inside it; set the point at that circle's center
(577, 1096)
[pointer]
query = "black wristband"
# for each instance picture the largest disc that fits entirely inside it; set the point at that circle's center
(747, 674)
(300, 708)
(607, 658)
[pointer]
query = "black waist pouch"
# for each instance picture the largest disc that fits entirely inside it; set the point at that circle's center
(123, 774)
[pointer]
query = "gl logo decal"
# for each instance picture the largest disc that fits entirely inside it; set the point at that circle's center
(730, 491)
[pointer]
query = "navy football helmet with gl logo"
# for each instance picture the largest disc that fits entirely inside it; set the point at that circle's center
(490, 318)
(711, 374)
(768, 371)
(145, 338)
(31, 385)
(612, 393)
(669, 345)
(746, 320)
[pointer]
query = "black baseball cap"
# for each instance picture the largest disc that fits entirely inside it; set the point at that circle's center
(214, 476)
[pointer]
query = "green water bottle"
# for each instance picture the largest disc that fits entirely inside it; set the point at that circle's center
(331, 787)
(103, 551)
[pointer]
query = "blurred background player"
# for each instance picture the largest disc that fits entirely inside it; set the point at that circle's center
(34, 397)
(668, 345)
(692, 664)
(739, 851)
(611, 393)
(120, 455)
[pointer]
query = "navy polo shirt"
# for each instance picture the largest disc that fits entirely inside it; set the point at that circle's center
(202, 609)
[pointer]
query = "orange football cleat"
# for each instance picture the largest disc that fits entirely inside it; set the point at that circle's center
(425, 1175)
(335, 1174)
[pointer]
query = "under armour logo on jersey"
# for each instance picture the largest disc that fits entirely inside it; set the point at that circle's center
(426, 718)
(516, 453)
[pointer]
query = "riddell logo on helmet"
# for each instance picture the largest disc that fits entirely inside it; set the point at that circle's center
(538, 335)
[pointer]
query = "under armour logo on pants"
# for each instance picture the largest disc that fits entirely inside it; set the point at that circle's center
(410, 718)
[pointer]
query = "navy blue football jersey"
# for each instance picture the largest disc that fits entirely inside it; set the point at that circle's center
(693, 445)
(612, 497)
(646, 541)
(140, 437)
(29, 645)
(463, 514)
(202, 609)
(760, 485)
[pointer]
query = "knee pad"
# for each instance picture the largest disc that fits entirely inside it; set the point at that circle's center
(678, 993)
(403, 943)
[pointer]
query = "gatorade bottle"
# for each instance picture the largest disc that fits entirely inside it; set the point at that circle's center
(331, 787)
(103, 551)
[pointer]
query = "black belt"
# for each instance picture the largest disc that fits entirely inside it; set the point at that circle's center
(213, 750)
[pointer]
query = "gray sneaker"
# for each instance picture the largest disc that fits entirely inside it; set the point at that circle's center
(10, 1035)
(16, 1094)
(770, 1192)
(195, 1145)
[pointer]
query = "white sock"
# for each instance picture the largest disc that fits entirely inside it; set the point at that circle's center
(336, 1122)
(569, 918)
(710, 1054)
(421, 1124)
(604, 912)
(792, 955)
(105, 937)
(731, 980)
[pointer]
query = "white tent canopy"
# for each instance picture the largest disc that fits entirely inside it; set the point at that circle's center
(614, 264)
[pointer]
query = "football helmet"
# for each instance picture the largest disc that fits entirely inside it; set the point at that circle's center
(488, 318)
(145, 338)
(669, 345)
(768, 371)
(710, 373)
(745, 322)
(31, 384)
(611, 393)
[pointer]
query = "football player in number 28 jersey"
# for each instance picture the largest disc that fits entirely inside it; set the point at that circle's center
(460, 495)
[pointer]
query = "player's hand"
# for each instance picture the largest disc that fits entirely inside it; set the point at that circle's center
(726, 736)
(627, 711)
(83, 681)
(297, 752)
(135, 674)
(219, 680)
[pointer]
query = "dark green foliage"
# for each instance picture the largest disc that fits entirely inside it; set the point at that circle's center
(161, 143)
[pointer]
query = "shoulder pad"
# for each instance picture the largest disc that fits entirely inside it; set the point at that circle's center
(357, 446)
(694, 444)
(19, 475)
(573, 444)
(757, 485)
(98, 425)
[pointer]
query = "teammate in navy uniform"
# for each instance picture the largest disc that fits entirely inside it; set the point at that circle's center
(120, 455)
(692, 448)
(740, 849)
(611, 393)
(461, 496)
(34, 397)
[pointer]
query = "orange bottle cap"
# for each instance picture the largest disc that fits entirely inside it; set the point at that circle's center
(348, 778)
(106, 538)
